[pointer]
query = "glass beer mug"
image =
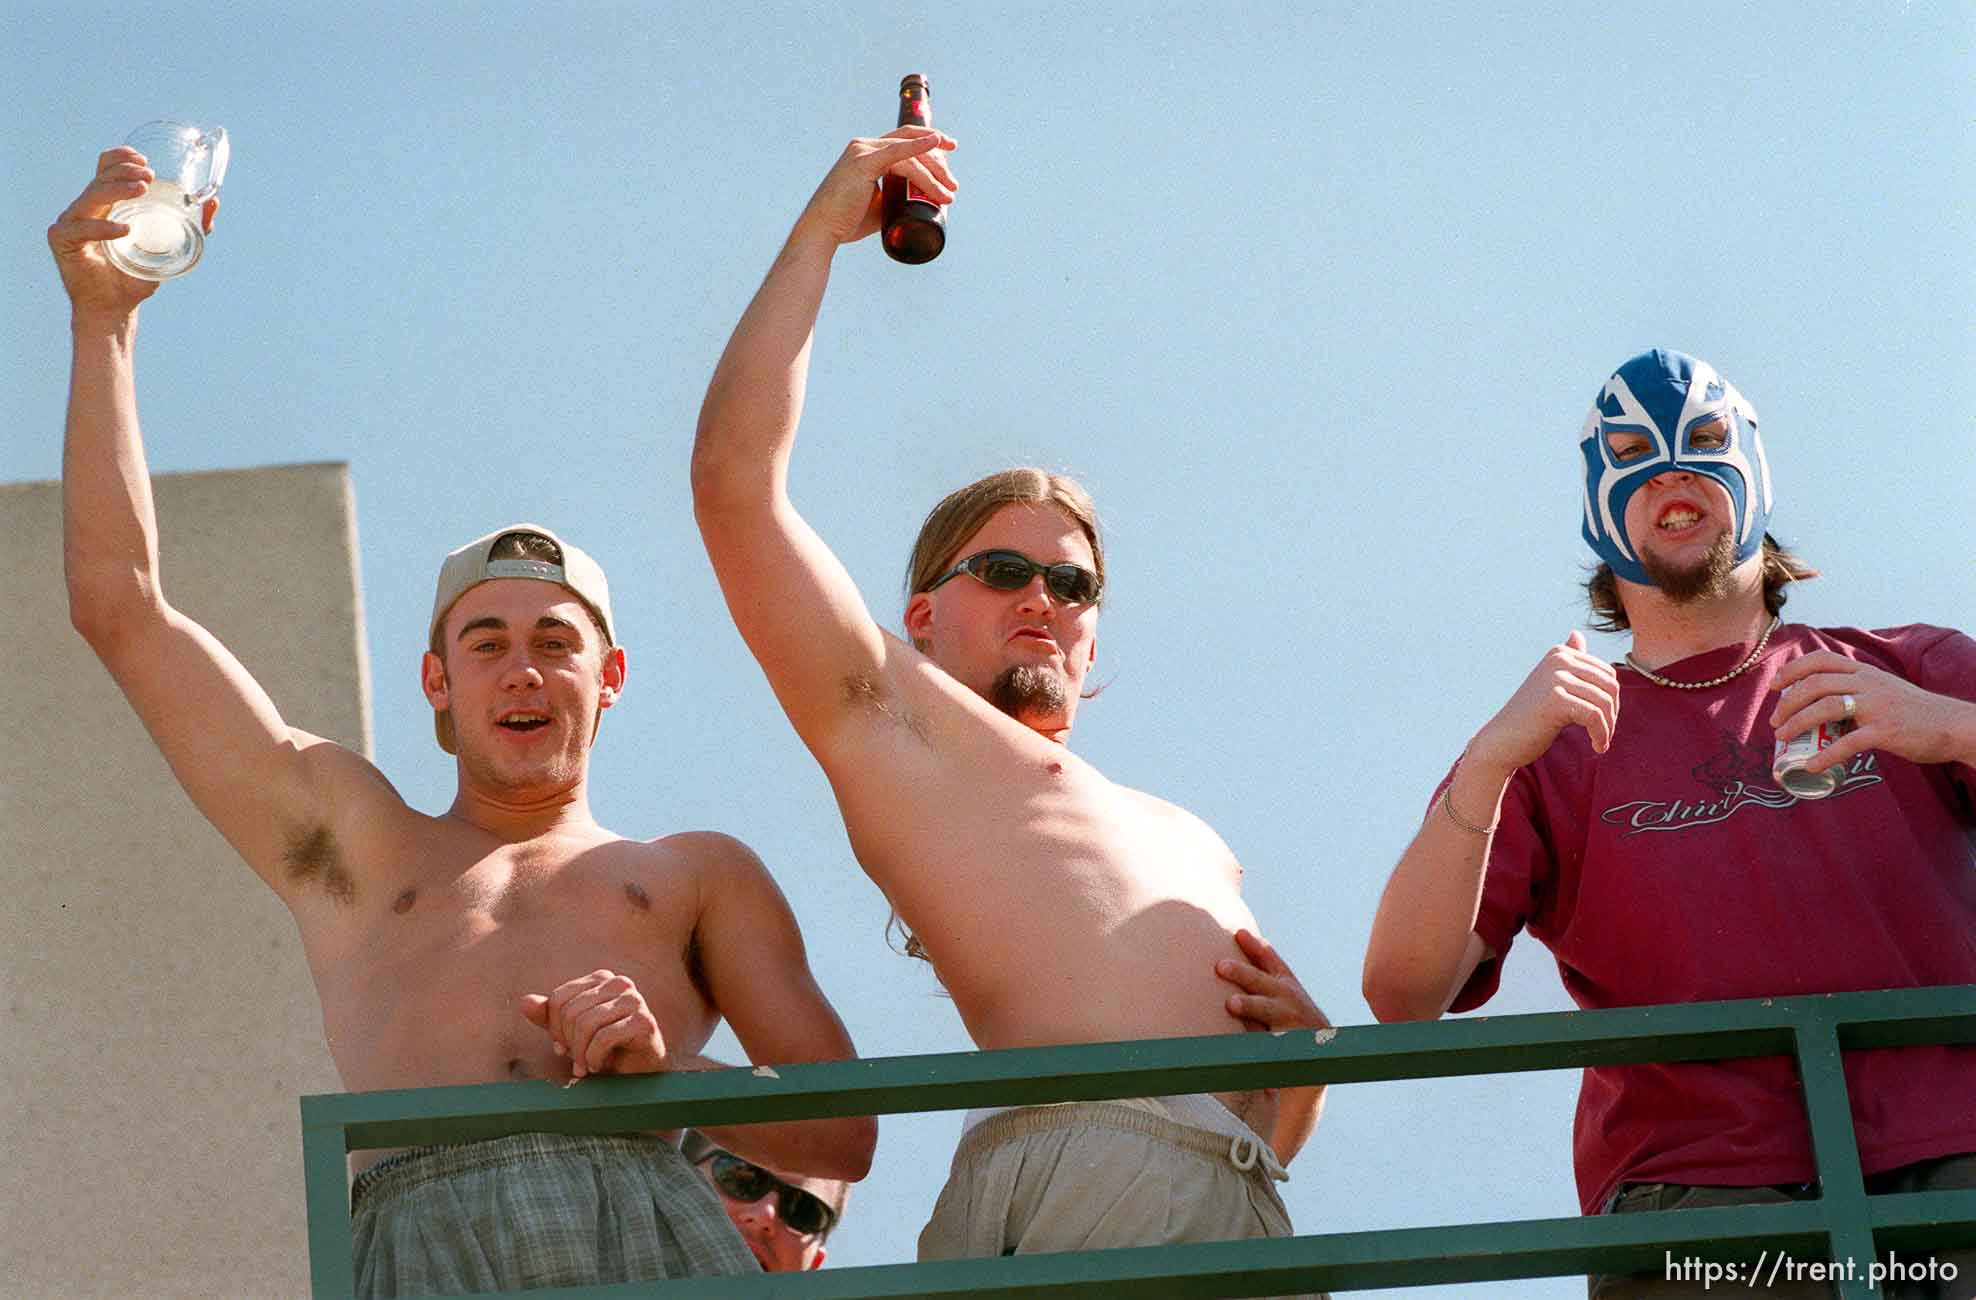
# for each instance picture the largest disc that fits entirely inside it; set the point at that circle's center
(166, 221)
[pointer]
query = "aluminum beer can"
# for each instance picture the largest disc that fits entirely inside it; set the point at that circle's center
(1787, 767)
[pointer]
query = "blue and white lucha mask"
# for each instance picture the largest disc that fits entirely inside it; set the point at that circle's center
(1667, 397)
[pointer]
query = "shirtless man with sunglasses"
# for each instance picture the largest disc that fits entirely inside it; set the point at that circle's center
(1056, 906)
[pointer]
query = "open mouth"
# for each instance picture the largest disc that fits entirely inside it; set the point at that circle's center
(523, 723)
(1676, 518)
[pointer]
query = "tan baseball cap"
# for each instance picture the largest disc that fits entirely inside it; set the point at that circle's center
(521, 550)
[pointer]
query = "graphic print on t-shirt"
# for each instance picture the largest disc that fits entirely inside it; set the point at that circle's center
(1736, 777)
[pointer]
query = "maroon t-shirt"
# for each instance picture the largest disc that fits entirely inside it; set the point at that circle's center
(1673, 869)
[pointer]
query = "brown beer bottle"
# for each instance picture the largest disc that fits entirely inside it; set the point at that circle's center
(915, 227)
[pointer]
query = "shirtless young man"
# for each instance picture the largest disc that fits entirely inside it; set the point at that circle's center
(511, 938)
(1056, 906)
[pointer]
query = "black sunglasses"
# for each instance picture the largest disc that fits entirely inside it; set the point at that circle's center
(1011, 571)
(804, 1212)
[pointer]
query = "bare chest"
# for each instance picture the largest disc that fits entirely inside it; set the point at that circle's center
(431, 989)
(1065, 908)
(523, 895)
(1054, 827)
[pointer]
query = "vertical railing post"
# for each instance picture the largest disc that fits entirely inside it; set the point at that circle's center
(1835, 1150)
(326, 1185)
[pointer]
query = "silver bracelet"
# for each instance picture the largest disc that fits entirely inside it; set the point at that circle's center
(1448, 807)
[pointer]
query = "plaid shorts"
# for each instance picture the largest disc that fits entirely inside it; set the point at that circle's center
(537, 1210)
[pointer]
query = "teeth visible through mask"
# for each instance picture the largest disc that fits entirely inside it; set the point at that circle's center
(1679, 517)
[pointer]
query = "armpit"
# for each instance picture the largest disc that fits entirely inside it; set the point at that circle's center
(312, 858)
(864, 693)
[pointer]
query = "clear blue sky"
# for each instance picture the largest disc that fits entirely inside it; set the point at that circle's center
(1314, 297)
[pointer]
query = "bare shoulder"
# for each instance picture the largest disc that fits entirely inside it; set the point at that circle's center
(719, 864)
(344, 776)
(708, 850)
(736, 896)
(350, 798)
(336, 844)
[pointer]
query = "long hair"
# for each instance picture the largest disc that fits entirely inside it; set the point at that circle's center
(965, 510)
(1781, 567)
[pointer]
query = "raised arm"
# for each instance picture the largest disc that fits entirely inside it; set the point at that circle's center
(795, 605)
(245, 770)
(1424, 946)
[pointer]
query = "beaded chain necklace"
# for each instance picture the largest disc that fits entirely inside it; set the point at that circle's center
(1658, 680)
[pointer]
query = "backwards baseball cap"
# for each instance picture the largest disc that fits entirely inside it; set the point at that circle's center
(518, 551)
(1666, 396)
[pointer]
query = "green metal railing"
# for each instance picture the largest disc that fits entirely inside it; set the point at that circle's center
(1843, 1224)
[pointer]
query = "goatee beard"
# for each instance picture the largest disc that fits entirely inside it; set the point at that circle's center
(1708, 576)
(1026, 691)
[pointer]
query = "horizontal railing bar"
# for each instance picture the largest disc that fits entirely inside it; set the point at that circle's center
(1149, 1067)
(1917, 1031)
(1923, 1220)
(1367, 1260)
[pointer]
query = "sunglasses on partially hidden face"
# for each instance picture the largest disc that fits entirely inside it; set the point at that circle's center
(805, 1213)
(1011, 571)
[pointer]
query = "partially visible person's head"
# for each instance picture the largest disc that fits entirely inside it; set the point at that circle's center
(514, 605)
(785, 1218)
(1003, 589)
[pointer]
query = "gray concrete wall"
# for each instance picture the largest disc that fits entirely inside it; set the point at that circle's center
(159, 1019)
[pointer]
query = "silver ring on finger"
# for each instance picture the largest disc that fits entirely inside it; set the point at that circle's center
(1848, 707)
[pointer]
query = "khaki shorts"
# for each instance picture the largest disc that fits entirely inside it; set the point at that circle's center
(1920, 1276)
(1091, 1175)
(536, 1210)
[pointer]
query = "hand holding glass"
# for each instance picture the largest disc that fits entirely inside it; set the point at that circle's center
(167, 232)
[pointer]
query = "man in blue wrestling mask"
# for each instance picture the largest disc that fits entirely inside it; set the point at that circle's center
(1661, 413)
(1742, 889)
